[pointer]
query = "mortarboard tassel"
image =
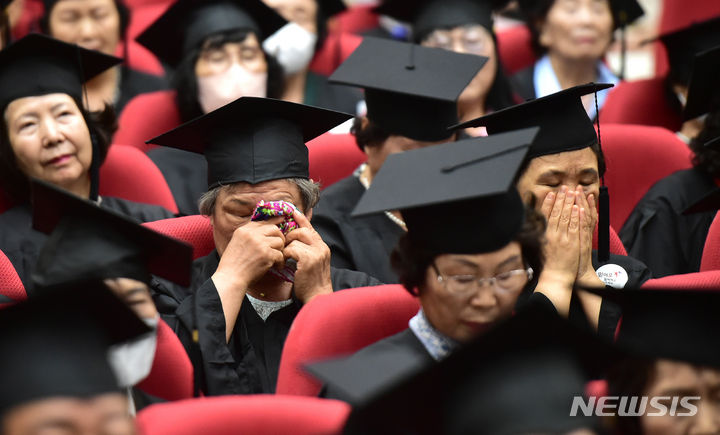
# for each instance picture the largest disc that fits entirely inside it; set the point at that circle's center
(603, 204)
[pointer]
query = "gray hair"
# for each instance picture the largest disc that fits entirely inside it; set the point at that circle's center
(309, 193)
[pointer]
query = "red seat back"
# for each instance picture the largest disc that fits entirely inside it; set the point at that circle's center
(708, 280)
(355, 19)
(336, 48)
(637, 157)
(171, 376)
(142, 14)
(146, 116)
(339, 324)
(129, 174)
(333, 157)
(10, 283)
(711, 252)
(260, 414)
(515, 49)
(195, 230)
(616, 245)
(640, 102)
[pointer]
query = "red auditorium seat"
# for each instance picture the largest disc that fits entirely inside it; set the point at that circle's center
(261, 414)
(637, 157)
(640, 102)
(336, 48)
(356, 19)
(129, 174)
(10, 284)
(515, 49)
(195, 230)
(29, 17)
(142, 14)
(171, 376)
(333, 157)
(616, 245)
(708, 280)
(711, 252)
(340, 324)
(132, 4)
(138, 124)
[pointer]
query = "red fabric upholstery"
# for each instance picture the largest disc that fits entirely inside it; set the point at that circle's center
(336, 48)
(142, 14)
(128, 173)
(355, 19)
(515, 49)
(708, 280)
(195, 230)
(29, 17)
(637, 157)
(10, 284)
(333, 157)
(616, 245)
(711, 252)
(340, 324)
(171, 377)
(138, 124)
(640, 102)
(260, 414)
(133, 4)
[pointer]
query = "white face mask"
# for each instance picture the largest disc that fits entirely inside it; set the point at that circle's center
(292, 46)
(217, 90)
(133, 361)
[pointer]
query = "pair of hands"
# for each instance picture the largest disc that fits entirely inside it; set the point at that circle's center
(571, 217)
(258, 246)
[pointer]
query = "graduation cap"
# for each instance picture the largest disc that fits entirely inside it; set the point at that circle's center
(189, 22)
(55, 344)
(410, 90)
(427, 16)
(564, 126)
(703, 94)
(677, 324)
(253, 139)
(87, 241)
(40, 65)
(456, 197)
(683, 44)
(519, 377)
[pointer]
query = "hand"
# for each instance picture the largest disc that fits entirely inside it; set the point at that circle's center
(562, 247)
(304, 245)
(588, 219)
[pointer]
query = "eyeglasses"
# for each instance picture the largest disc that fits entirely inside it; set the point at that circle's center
(473, 39)
(465, 284)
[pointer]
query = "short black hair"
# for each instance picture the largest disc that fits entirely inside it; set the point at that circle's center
(371, 136)
(411, 262)
(705, 158)
(123, 12)
(185, 82)
(16, 184)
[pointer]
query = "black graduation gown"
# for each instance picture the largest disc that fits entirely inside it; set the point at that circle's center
(249, 363)
(133, 83)
(357, 243)
(523, 83)
(380, 365)
(185, 173)
(22, 244)
(659, 234)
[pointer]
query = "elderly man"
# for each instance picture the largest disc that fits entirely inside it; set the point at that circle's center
(245, 294)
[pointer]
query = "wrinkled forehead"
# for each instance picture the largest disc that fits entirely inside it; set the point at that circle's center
(568, 162)
(273, 190)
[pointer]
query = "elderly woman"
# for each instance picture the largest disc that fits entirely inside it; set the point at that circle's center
(46, 133)
(572, 37)
(462, 26)
(248, 280)
(99, 25)
(408, 107)
(294, 47)
(562, 171)
(215, 50)
(673, 364)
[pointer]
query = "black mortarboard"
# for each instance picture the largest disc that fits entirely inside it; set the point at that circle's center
(564, 124)
(429, 15)
(457, 197)
(520, 377)
(40, 65)
(677, 324)
(703, 94)
(683, 44)
(253, 139)
(88, 241)
(188, 22)
(56, 344)
(410, 90)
